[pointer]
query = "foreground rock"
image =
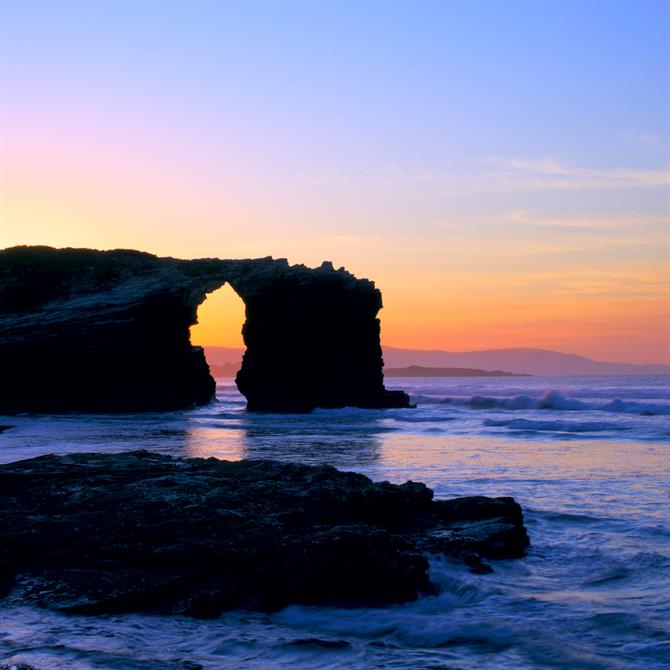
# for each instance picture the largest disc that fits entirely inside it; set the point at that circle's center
(112, 327)
(139, 531)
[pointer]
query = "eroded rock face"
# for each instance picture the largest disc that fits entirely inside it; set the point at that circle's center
(139, 531)
(111, 332)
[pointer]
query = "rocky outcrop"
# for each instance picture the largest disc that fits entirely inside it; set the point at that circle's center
(139, 531)
(110, 330)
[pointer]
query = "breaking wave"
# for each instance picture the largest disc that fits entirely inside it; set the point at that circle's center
(549, 400)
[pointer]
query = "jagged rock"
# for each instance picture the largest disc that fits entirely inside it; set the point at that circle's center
(140, 531)
(110, 330)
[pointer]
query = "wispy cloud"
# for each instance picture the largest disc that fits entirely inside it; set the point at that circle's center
(522, 217)
(648, 139)
(490, 175)
(520, 174)
(567, 248)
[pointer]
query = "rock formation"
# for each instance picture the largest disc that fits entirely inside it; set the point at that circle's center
(110, 331)
(139, 531)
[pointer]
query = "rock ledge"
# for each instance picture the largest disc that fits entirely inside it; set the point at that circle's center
(139, 531)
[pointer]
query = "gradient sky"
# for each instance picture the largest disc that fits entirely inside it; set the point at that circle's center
(500, 169)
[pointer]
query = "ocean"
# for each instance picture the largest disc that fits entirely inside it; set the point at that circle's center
(588, 458)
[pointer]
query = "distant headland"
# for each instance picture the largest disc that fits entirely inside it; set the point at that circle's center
(420, 371)
(518, 361)
(229, 369)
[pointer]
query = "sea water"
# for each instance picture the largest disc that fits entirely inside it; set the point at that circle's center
(588, 458)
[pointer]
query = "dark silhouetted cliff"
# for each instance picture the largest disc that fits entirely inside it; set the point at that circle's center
(110, 332)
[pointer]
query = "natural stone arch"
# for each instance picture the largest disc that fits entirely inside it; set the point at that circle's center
(111, 329)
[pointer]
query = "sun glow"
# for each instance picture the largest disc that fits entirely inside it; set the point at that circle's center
(220, 320)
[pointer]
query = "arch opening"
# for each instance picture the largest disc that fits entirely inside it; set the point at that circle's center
(219, 331)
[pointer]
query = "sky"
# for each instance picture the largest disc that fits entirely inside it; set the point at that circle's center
(499, 169)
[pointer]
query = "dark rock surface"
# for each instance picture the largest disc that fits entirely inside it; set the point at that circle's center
(112, 329)
(140, 531)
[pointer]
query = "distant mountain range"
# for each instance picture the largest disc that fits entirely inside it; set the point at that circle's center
(518, 361)
(420, 371)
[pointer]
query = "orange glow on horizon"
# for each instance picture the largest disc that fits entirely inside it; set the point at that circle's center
(596, 287)
(600, 327)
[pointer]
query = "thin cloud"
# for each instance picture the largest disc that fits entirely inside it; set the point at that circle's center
(581, 245)
(490, 175)
(648, 139)
(522, 217)
(519, 174)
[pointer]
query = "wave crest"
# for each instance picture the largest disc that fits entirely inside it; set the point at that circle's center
(550, 400)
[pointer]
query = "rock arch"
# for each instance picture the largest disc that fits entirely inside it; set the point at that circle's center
(109, 330)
